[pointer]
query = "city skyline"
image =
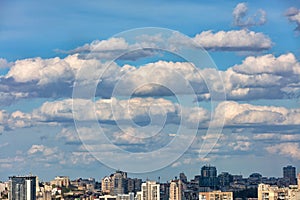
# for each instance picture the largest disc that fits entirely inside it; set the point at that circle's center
(119, 185)
(153, 89)
(159, 177)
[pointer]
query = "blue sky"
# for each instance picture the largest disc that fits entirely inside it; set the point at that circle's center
(44, 44)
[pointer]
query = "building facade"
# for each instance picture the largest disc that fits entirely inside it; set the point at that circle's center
(216, 195)
(61, 181)
(289, 173)
(176, 192)
(150, 191)
(208, 177)
(22, 188)
(268, 192)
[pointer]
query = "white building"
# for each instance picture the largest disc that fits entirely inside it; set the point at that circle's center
(268, 192)
(175, 190)
(150, 191)
(61, 181)
(216, 195)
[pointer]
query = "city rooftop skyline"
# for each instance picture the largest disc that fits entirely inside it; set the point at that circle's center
(159, 178)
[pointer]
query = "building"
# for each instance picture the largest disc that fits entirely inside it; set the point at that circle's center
(106, 185)
(119, 183)
(183, 177)
(22, 188)
(268, 192)
(216, 195)
(134, 184)
(176, 190)
(3, 189)
(298, 180)
(208, 177)
(61, 181)
(138, 195)
(150, 191)
(116, 183)
(107, 197)
(129, 196)
(289, 173)
(225, 179)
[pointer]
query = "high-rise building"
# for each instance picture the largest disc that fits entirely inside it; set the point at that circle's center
(106, 185)
(216, 195)
(289, 173)
(183, 177)
(150, 191)
(176, 192)
(134, 184)
(208, 177)
(119, 180)
(22, 188)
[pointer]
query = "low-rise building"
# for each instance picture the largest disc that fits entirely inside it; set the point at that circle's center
(216, 195)
(268, 192)
(61, 181)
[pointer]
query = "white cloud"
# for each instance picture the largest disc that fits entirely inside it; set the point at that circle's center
(235, 113)
(240, 12)
(241, 145)
(44, 150)
(4, 63)
(293, 15)
(235, 40)
(137, 109)
(283, 65)
(262, 77)
(289, 149)
(46, 71)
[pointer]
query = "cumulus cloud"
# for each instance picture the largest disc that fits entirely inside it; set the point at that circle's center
(240, 13)
(283, 65)
(289, 149)
(262, 77)
(293, 15)
(17, 119)
(247, 114)
(46, 151)
(235, 40)
(112, 48)
(138, 110)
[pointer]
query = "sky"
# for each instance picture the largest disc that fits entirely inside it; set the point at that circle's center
(153, 88)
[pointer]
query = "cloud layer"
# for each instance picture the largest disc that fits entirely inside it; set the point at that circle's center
(260, 77)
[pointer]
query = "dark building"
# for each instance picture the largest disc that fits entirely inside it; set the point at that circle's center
(183, 177)
(224, 180)
(22, 188)
(119, 182)
(208, 177)
(289, 173)
(134, 185)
